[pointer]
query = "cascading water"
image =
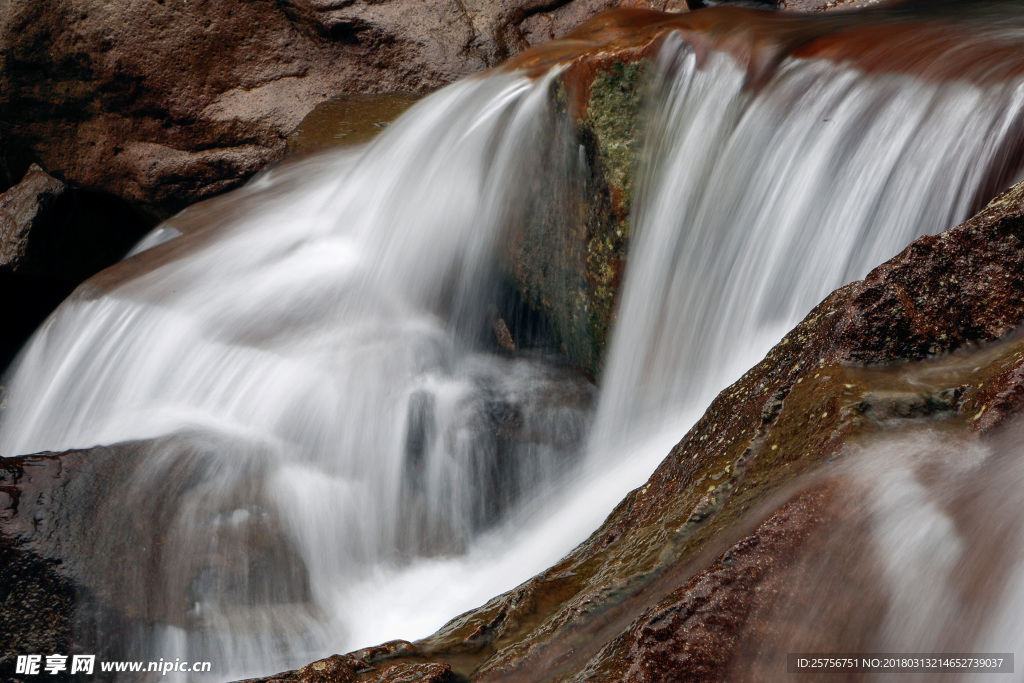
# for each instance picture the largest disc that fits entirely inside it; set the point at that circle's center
(311, 367)
(760, 204)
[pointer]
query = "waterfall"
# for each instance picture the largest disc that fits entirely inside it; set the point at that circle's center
(310, 366)
(759, 204)
(309, 360)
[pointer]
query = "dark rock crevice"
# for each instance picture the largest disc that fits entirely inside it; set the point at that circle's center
(49, 244)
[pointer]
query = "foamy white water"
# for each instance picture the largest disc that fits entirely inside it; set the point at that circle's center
(312, 366)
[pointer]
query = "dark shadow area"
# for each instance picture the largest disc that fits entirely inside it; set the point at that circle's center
(73, 237)
(25, 302)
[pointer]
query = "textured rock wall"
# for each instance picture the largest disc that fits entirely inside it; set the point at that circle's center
(42, 591)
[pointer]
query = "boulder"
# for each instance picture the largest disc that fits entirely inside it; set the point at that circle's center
(41, 591)
(166, 102)
(98, 545)
(713, 569)
(567, 268)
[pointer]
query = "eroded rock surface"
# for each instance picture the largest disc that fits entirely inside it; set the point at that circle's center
(41, 591)
(825, 5)
(99, 545)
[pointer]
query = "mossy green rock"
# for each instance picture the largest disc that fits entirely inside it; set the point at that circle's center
(568, 259)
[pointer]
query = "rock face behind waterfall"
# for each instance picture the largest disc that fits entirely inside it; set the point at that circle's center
(713, 570)
(180, 100)
(572, 269)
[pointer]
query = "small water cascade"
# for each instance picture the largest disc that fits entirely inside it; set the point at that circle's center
(313, 362)
(760, 204)
(311, 371)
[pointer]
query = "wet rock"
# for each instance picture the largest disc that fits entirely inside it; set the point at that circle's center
(826, 5)
(164, 103)
(753, 537)
(351, 668)
(90, 537)
(568, 268)
(557, 22)
(684, 636)
(942, 294)
(389, 650)
(349, 119)
(36, 601)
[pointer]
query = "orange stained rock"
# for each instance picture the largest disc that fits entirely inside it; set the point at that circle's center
(898, 38)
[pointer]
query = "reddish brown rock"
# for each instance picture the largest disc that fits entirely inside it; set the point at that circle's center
(826, 5)
(375, 669)
(166, 102)
(555, 23)
(23, 209)
(41, 592)
(686, 635)
(760, 40)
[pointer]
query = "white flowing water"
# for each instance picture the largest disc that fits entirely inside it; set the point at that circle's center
(314, 364)
(315, 360)
(758, 205)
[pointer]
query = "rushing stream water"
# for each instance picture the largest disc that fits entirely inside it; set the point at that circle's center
(315, 355)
